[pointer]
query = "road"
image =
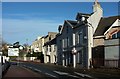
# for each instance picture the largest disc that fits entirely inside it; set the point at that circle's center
(50, 71)
(55, 72)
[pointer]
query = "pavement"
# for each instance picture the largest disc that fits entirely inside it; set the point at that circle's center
(18, 72)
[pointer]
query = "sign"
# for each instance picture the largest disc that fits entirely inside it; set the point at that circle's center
(13, 52)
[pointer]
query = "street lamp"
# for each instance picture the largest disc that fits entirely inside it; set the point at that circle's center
(31, 57)
(20, 48)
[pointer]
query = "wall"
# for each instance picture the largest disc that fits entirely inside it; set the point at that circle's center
(81, 47)
(98, 42)
(0, 65)
(63, 49)
(112, 52)
(49, 58)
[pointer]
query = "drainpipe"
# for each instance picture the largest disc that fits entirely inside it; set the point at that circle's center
(63, 60)
(74, 51)
(90, 29)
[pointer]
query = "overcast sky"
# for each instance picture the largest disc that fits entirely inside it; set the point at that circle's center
(27, 20)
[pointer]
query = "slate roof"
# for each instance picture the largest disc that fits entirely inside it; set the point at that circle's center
(82, 14)
(105, 24)
(86, 14)
(53, 41)
(73, 23)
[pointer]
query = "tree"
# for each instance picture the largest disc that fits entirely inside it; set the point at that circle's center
(5, 48)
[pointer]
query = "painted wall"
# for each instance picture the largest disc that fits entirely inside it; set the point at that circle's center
(112, 49)
(112, 52)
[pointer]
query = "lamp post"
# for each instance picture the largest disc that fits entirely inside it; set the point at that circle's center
(31, 56)
(20, 48)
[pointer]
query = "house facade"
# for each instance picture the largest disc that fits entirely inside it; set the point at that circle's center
(49, 49)
(75, 39)
(84, 42)
(105, 40)
(36, 45)
(112, 45)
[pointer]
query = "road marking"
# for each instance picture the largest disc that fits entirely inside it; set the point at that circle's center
(73, 76)
(64, 73)
(30, 67)
(60, 73)
(50, 75)
(37, 70)
(83, 75)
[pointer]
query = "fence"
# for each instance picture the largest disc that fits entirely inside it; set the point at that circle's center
(112, 63)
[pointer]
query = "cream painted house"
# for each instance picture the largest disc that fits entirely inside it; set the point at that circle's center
(50, 49)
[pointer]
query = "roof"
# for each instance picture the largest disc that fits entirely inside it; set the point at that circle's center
(73, 23)
(53, 41)
(105, 24)
(82, 14)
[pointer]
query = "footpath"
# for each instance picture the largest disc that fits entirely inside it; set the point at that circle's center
(18, 72)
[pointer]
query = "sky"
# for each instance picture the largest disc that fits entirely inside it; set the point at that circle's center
(25, 21)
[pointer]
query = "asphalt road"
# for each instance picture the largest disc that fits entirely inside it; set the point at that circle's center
(55, 72)
(50, 71)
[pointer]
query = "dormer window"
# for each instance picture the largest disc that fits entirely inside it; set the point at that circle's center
(82, 18)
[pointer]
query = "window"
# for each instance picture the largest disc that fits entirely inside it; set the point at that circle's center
(78, 57)
(114, 36)
(67, 29)
(60, 44)
(81, 37)
(81, 57)
(50, 48)
(63, 43)
(78, 39)
(67, 41)
(50, 38)
(118, 34)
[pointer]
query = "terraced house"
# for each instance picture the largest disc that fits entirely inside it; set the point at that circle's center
(106, 42)
(40, 45)
(89, 41)
(49, 50)
(77, 40)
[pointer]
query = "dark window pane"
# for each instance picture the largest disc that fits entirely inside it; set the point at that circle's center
(118, 35)
(114, 36)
